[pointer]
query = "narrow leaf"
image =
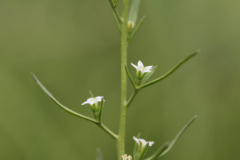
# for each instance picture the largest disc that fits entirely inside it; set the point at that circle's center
(177, 136)
(171, 71)
(144, 151)
(99, 154)
(117, 21)
(135, 29)
(159, 151)
(59, 104)
(101, 109)
(149, 74)
(129, 76)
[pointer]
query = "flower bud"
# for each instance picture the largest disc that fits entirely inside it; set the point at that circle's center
(125, 157)
(131, 25)
(133, 14)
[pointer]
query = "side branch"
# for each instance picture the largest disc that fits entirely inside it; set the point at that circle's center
(114, 7)
(169, 72)
(99, 123)
(61, 105)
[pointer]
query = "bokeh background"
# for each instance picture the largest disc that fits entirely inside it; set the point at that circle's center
(73, 46)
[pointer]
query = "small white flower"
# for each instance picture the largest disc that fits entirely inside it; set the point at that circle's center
(125, 157)
(93, 101)
(141, 67)
(143, 142)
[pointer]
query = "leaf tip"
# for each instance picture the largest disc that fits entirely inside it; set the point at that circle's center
(35, 78)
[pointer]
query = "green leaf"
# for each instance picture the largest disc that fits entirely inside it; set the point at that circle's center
(61, 105)
(129, 76)
(159, 151)
(130, 37)
(149, 74)
(117, 21)
(171, 71)
(101, 109)
(99, 154)
(177, 136)
(136, 147)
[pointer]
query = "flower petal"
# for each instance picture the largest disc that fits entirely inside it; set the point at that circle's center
(85, 102)
(136, 140)
(134, 65)
(92, 102)
(151, 143)
(140, 64)
(144, 142)
(148, 67)
(90, 99)
(99, 98)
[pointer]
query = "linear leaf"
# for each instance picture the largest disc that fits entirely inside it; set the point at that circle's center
(178, 135)
(171, 71)
(159, 151)
(135, 29)
(61, 105)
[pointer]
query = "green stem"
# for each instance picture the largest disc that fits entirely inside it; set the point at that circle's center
(123, 115)
(101, 125)
(114, 7)
(132, 98)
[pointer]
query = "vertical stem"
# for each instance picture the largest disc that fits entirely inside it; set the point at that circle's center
(123, 115)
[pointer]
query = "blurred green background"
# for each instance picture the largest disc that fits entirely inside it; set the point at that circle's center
(73, 46)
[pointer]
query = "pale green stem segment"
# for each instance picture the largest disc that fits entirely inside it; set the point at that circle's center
(169, 72)
(99, 123)
(132, 98)
(123, 114)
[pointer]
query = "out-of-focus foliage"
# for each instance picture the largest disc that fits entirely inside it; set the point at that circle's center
(74, 46)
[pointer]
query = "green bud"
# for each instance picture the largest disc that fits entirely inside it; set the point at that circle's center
(130, 26)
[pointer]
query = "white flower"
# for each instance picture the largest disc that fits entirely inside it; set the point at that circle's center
(125, 157)
(141, 67)
(143, 142)
(93, 101)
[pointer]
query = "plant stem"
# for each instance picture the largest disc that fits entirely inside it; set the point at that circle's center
(132, 98)
(123, 115)
(108, 131)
